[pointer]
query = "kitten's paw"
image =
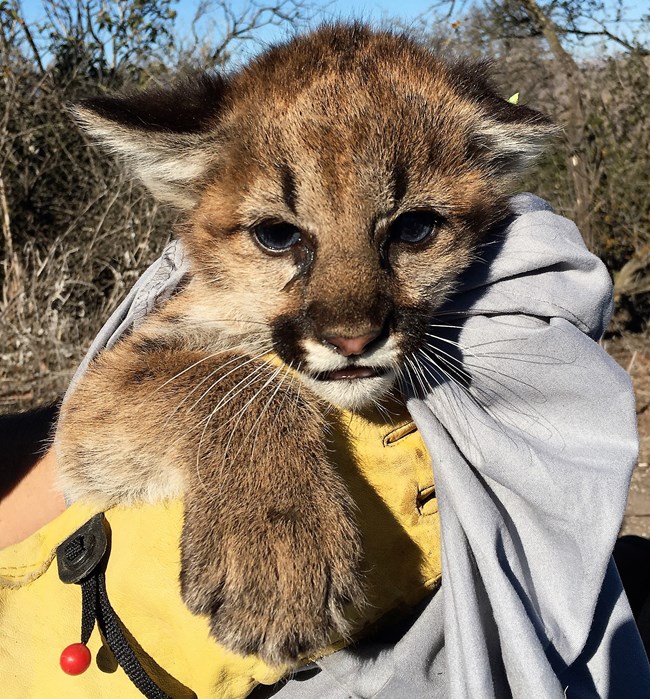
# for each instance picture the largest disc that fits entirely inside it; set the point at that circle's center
(276, 585)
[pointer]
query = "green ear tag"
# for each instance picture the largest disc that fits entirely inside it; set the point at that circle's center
(514, 99)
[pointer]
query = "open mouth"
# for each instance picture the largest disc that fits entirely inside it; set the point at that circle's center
(350, 373)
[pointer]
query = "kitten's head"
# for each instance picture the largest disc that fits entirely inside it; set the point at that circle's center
(335, 188)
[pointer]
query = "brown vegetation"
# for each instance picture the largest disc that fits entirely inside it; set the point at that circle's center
(77, 233)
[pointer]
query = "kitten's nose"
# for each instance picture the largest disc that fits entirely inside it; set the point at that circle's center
(348, 346)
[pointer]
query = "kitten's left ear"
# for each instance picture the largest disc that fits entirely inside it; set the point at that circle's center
(162, 133)
(505, 137)
(512, 137)
(509, 138)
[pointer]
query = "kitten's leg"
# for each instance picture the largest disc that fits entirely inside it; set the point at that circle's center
(270, 550)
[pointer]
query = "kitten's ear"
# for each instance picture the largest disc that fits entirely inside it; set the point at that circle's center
(509, 138)
(161, 133)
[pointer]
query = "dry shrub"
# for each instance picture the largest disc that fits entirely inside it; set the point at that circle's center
(76, 231)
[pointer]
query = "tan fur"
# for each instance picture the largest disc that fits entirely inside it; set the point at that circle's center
(279, 518)
(341, 134)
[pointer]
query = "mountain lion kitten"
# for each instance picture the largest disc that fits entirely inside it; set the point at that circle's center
(333, 189)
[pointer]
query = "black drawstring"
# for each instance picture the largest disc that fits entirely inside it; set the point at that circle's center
(78, 558)
(96, 605)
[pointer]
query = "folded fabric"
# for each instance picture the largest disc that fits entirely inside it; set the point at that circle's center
(531, 430)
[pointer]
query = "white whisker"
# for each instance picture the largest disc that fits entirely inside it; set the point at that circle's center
(227, 374)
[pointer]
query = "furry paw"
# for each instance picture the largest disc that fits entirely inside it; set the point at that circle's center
(275, 582)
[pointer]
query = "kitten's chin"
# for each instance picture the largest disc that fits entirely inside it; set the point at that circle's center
(352, 394)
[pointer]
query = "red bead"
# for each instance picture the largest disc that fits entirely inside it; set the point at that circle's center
(75, 659)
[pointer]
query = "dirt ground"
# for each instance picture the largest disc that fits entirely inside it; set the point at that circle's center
(632, 352)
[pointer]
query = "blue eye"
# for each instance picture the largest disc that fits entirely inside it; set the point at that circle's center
(414, 227)
(277, 237)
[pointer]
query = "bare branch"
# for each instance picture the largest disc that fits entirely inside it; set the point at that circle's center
(30, 41)
(605, 33)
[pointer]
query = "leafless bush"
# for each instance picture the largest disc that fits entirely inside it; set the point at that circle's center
(77, 232)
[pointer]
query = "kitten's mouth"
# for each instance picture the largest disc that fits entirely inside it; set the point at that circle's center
(350, 372)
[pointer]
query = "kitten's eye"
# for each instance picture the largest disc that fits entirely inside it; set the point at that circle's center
(414, 227)
(277, 237)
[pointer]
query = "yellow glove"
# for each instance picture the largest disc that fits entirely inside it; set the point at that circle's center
(388, 473)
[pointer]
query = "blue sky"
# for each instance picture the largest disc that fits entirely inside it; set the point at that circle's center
(346, 8)
(374, 10)
(370, 10)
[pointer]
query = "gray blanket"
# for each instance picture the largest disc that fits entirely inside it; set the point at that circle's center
(532, 432)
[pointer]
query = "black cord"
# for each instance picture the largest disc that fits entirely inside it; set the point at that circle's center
(95, 599)
(88, 607)
(73, 550)
(79, 556)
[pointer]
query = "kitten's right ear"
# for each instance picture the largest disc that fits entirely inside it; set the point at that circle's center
(162, 133)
